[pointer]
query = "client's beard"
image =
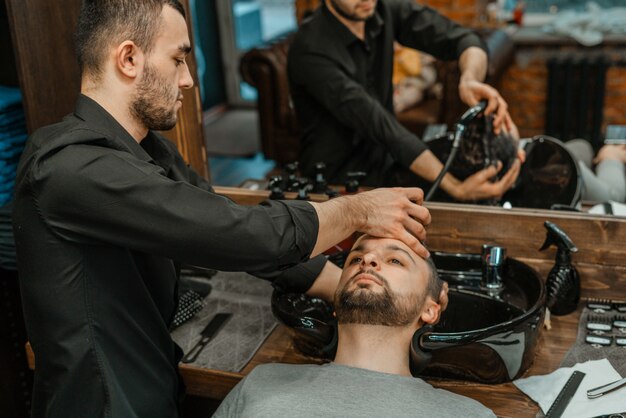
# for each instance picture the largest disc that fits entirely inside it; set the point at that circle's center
(362, 306)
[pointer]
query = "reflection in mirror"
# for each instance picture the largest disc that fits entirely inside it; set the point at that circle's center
(555, 175)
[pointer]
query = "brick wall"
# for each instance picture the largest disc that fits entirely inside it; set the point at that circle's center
(461, 11)
(524, 86)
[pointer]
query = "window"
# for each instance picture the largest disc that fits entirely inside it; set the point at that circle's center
(245, 24)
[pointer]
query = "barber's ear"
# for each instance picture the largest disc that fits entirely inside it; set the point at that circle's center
(431, 311)
(128, 59)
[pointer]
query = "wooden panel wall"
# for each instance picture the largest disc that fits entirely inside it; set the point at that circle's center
(600, 239)
(42, 33)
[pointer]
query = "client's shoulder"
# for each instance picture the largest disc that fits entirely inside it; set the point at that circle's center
(281, 370)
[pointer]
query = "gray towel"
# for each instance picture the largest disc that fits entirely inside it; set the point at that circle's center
(248, 299)
(581, 351)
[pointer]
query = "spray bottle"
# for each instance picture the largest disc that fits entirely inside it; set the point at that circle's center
(563, 284)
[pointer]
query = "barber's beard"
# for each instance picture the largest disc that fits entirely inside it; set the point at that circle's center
(367, 307)
(154, 103)
(347, 15)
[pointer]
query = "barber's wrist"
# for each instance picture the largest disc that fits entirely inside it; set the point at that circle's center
(355, 208)
(349, 211)
(468, 78)
(453, 186)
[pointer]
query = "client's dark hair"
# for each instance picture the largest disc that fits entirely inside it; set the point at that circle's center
(104, 22)
(433, 288)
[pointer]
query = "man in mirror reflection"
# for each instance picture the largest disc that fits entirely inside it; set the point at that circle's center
(386, 293)
(340, 75)
(603, 175)
(106, 209)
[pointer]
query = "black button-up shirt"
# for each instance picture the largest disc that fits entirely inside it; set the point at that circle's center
(342, 92)
(98, 220)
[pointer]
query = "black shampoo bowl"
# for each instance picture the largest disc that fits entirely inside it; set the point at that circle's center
(483, 336)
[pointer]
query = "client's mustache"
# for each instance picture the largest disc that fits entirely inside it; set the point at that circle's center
(372, 273)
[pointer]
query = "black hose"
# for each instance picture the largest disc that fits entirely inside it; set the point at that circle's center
(442, 173)
(469, 115)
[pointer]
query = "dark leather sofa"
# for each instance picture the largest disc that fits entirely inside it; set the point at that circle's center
(266, 69)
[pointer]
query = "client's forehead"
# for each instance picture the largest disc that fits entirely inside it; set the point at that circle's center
(367, 242)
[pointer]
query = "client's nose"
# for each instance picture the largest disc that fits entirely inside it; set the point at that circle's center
(369, 260)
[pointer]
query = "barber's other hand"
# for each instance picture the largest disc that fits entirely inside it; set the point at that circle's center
(479, 186)
(395, 213)
(325, 285)
(473, 91)
(611, 152)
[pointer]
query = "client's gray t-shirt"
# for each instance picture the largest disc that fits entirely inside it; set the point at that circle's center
(331, 390)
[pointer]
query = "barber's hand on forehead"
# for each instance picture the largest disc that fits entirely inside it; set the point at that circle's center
(471, 92)
(397, 213)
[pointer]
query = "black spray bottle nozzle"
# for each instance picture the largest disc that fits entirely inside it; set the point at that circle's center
(563, 281)
(556, 236)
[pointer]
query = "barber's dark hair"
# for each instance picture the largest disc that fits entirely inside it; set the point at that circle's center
(103, 22)
(433, 288)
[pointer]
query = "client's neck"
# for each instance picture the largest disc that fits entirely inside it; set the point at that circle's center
(375, 347)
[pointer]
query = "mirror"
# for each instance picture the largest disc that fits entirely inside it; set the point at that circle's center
(49, 78)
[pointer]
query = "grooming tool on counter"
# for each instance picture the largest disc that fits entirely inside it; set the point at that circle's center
(208, 333)
(563, 283)
(599, 340)
(603, 390)
(599, 323)
(565, 395)
(619, 321)
(599, 304)
(189, 304)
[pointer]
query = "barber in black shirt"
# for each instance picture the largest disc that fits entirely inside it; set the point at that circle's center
(340, 71)
(104, 205)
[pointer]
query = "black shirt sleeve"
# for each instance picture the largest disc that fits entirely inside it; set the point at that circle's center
(296, 279)
(423, 28)
(88, 195)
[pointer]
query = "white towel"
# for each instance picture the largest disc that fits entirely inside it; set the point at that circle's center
(544, 390)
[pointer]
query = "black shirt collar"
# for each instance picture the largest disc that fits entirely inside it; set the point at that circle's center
(90, 111)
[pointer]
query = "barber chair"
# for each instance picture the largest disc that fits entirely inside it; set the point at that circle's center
(266, 69)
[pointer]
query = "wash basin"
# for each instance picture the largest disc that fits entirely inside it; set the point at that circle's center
(484, 335)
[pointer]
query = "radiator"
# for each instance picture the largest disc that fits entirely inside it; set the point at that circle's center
(576, 89)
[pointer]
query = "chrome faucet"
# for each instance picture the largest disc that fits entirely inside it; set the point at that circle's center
(492, 259)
